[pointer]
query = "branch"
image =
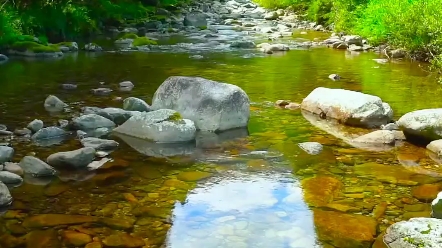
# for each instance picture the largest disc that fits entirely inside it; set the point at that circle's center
(3, 5)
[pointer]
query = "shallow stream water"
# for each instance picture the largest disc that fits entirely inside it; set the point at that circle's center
(256, 188)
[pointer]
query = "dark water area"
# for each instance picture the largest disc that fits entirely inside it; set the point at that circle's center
(254, 189)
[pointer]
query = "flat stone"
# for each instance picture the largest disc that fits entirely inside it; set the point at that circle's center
(342, 208)
(377, 137)
(319, 191)
(120, 240)
(79, 158)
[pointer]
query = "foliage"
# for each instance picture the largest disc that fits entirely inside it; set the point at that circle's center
(143, 41)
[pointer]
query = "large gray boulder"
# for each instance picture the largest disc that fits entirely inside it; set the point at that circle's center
(164, 125)
(7, 177)
(36, 167)
(91, 121)
(414, 233)
(73, 159)
(5, 195)
(425, 124)
(195, 19)
(348, 107)
(213, 106)
(6, 154)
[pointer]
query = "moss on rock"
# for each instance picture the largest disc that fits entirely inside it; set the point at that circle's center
(143, 41)
(31, 46)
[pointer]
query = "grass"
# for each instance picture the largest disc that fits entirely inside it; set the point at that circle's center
(23, 46)
(143, 41)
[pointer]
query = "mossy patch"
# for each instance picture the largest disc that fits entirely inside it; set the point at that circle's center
(23, 46)
(143, 41)
(202, 27)
(175, 117)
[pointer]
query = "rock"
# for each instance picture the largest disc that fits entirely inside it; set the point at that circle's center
(195, 19)
(355, 48)
(348, 107)
(390, 126)
(51, 220)
(340, 45)
(312, 148)
(399, 135)
(49, 133)
(213, 106)
(43, 239)
(135, 104)
(243, 44)
(22, 132)
(123, 240)
(13, 168)
(344, 230)
(353, 40)
(126, 84)
(416, 232)
(94, 244)
(436, 206)
(5, 195)
(63, 123)
(193, 176)
(423, 124)
(101, 91)
(54, 104)
(118, 116)
(435, 146)
(3, 58)
(91, 121)
(293, 106)
(319, 191)
(398, 54)
(164, 125)
(73, 159)
(99, 144)
(377, 137)
(119, 224)
(91, 47)
(35, 125)
(426, 192)
(10, 178)
(282, 103)
(69, 86)
(3, 127)
(36, 167)
(90, 110)
(334, 77)
(81, 134)
(76, 239)
(271, 15)
(6, 154)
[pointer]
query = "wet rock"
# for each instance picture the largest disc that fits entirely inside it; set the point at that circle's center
(193, 176)
(63, 123)
(81, 134)
(435, 146)
(426, 192)
(90, 110)
(436, 206)
(162, 125)
(36, 167)
(3, 58)
(271, 15)
(13, 168)
(353, 40)
(76, 239)
(390, 126)
(35, 125)
(43, 239)
(6, 154)
(101, 91)
(69, 86)
(10, 178)
(340, 45)
(5, 196)
(54, 104)
(118, 116)
(94, 245)
(270, 48)
(123, 240)
(348, 107)
(91, 121)
(282, 103)
(229, 109)
(242, 44)
(22, 132)
(344, 230)
(293, 106)
(119, 224)
(51, 220)
(195, 19)
(49, 133)
(91, 47)
(320, 191)
(416, 232)
(135, 104)
(126, 84)
(399, 135)
(355, 48)
(334, 77)
(99, 144)
(95, 165)
(377, 137)
(423, 124)
(312, 148)
(56, 188)
(73, 159)
(397, 54)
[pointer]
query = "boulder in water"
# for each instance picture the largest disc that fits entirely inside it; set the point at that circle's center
(91, 121)
(348, 107)
(35, 125)
(213, 106)
(73, 159)
(135, 104)
(425, 124)
(54, 104)
(36, 167)
(6, 154)
(416, 232)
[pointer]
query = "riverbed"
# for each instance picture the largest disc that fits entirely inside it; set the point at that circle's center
(255, 188)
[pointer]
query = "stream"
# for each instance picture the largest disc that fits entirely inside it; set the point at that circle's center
(249, 189)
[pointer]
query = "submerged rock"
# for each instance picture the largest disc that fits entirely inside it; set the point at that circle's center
(91, 121)
(54, 104)
(76, 239)
(312, 148)
(377, 137)
(319, 191)
(51, 220)
(348, 107)
(43, 239)
(423, 124)
(435, 146)
(49, 133)
(416, 232)
(213, 106)
(6, 154)
(123, 240)
(5, 195)
(36, 167)
(99, 144)
(165, 126)
(135, 104)
(118, 116)
(73, 159)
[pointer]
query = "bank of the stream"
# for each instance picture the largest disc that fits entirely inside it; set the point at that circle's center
(252, 188)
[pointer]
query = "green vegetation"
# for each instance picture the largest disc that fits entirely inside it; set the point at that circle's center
(35, 47)
(143, 41)
(129, 36)
(175, 117)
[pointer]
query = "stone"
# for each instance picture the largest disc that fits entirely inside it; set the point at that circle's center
(51, 220)
(425, 192)
(43, 239)
(119, 224)
(348, 107)
(91, 47)
(243, 44)
(81, 134)
(91, 121)
(6, 154)
(69, 86)
(63, 123)
(416, 232)
(36, 167)
(399, 135)
(101, 91)
(436, 206)
(193, 176)
(22, 132)
(135, 104)
(312, 148)
(390, 126)
(13, 168)
(334, 77)
(3, 58)
(344, 230)
(435, 146)
(126, 84)
(398, 54)
(353, 40)
(423, 124)
(319, 191)
(99, 144)
(77, 159)
(282, 103)
(123, 240)
(49, 133)
(213, 106)
(293, 106)
(340, 45)
(118, 116)
(270, 48)
(7, 177)
(377, 137)
(54, 104)
(5, 195)
(35, 125)
(162, 125)
(195, 19)
(271, 15)
(76, 239)
(355, 48)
